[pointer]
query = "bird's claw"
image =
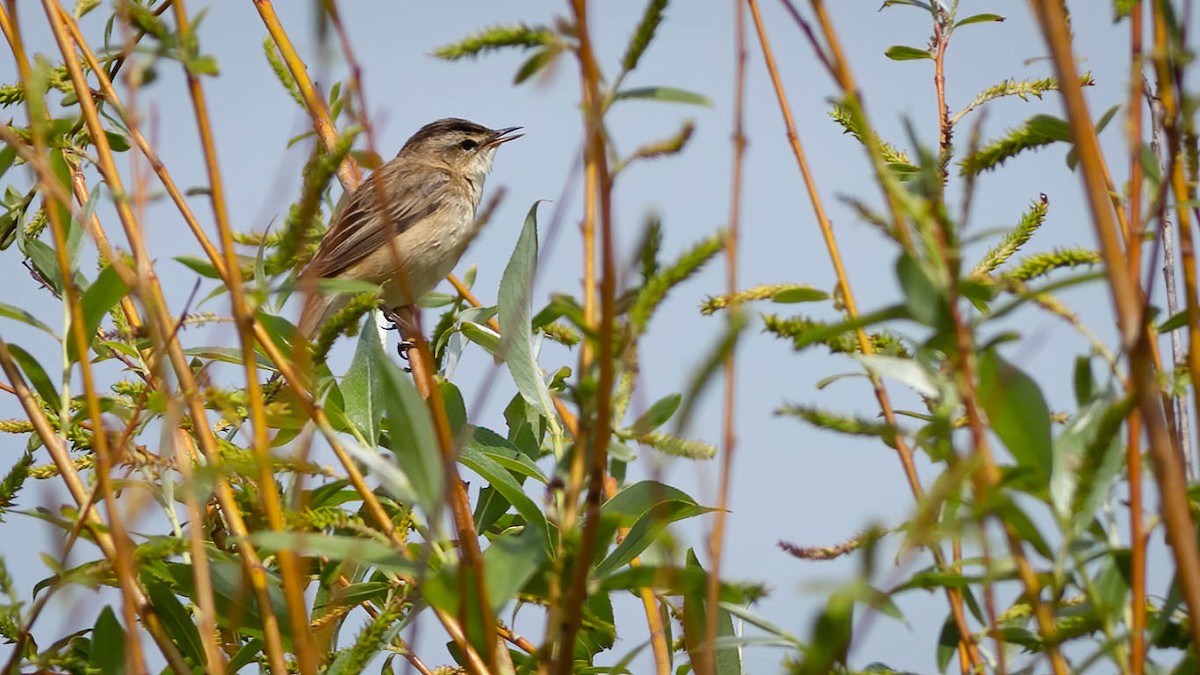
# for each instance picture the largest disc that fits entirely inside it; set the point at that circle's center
(403, 346)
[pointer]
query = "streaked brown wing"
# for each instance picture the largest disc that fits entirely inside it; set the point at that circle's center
(359, 228)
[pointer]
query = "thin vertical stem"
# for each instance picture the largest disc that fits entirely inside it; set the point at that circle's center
(271, 501)
(903, 451)
(1168, 469)
(599, 180)
(1178, 181)
(716, 538)
(285, 366)
(206, 621)
(1133, 454)
(122, 560)
(150, 290)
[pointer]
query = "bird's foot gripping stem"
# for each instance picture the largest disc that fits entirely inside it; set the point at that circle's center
(401, 321)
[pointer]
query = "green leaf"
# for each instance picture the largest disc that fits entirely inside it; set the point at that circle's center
(481, 335)
(1088, 457)
(501, 480)
(905, 53)
(337, 547)
(203, 65)
(355, 594)
(108, 644)
(515, 316)
(1073, 153)
(656, 416)
(635, 500)
(198, 265)
(61, 169)
(235, 607)
(226, 355)
(646, 530)
(362, 388)
(118, 141)
(536, 63)
(1083, 380)
(412, 438)
(176, 621)
(1017, 412)
(1175, 322)
(24, 317)
(978, 18)
(509, 563)
(1012, 516)
(44, 262)
(8, 155)
(246, 655)
(105, 292)
(1150, 165)
(37, 376)
(346, 286)
(394, 481)
(922, 297)
(796, 293)
(947, 645)
(911, 3)
(762, 623)
(504, 453)
(666, 94)
(695, 629)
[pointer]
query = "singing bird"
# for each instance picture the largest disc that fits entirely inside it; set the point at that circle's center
(409, 222)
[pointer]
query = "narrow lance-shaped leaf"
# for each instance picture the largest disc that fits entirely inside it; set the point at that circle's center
(646, 530)
(412, 438)
(1017, 412)
(656, 415)
(666, 94)
(13, 312)
(536, 63)
(978, 18)
(516, 316)
(363, 388)
(37, 376)
(108, 644)
(727, 659)
(508, 563)
(636, 499)
(105, 292)
(906, 53)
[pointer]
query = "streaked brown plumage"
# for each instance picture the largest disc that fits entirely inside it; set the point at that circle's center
(418, 208)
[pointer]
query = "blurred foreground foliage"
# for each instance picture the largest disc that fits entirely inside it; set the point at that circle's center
(307, 524)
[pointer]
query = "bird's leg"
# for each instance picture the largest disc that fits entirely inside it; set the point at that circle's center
(401, 318)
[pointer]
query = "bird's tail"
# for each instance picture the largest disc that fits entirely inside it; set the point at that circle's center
(318, 308)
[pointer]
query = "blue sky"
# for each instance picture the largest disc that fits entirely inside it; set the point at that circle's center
(790, 482)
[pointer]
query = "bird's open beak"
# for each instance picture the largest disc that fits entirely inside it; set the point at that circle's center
(503, 136)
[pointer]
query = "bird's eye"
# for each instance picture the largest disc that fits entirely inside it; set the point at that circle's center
(468, 144)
